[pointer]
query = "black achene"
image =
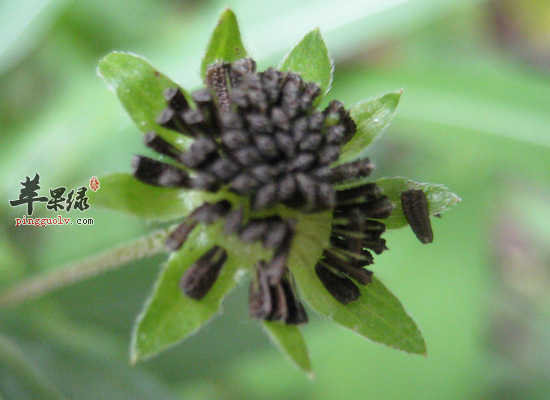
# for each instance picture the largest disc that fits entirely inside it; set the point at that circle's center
(260, 136)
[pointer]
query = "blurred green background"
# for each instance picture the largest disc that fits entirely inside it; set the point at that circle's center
(475, 115)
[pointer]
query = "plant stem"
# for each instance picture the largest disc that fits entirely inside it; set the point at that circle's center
(38, 286)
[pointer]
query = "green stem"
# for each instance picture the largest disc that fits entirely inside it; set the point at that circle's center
(38, 286)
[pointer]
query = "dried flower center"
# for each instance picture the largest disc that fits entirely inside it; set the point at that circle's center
(260, 136)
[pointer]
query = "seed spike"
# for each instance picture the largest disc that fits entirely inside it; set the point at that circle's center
(161, 146)
(201, 152)
(156, 173)
(361, 275)
(342, 289)
(276, 234)
(296, 312)
(206, 181)
(254, 230)
(358, 195)
(179, 235)
(201, 276)
(266, 197)
(172, 120)
(197, 123)
(234, 221)
(206, 213)
(260, 300)
(415, 208)
(280, 309)
(275, 300)
(379, 209)
(176, 100)
(216, 80)
(350, 171)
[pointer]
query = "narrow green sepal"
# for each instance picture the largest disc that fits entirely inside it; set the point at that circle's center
(310, 59)
(290, 341)
(140, 88)
(169, 316)
(123, 192)
(225, 44)
(372, 117)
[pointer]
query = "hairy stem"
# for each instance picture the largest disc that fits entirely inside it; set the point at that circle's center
(38, 286)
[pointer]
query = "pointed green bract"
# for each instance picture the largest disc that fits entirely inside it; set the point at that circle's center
(439, 198)
(123, 192)
(290, 341)
(377, 315)
(225, 44)
(169, 316)
(140, 88)
(371, 117)
(310, 59)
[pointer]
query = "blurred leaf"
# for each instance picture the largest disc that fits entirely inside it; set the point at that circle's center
(448, 94)
(82, 358)
(225, 44)
(23, 25)
(24, 378)
(123, 192)
(372, 118)
(378, 315)
(140, 88)
(439, 198)
(346, 28)
(310, 59)
(12, 265)
(170, 316)
(290, 341)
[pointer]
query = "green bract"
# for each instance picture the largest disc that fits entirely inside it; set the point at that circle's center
(169, 316)
(310, 59)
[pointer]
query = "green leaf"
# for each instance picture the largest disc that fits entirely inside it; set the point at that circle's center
(290, 341)
(24, 376)
(372, 118)
(12, 263)
(225, 44)
(310, 59)
(123, 192)
(140, 88)
(377, 315)
(169, 316)
(439, 198)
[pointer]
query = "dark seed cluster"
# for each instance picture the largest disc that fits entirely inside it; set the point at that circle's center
(256, 134)
(275, 300)
(272, 294)
(259, 135)
(355, 233)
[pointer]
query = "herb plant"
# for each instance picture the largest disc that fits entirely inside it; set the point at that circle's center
(264, 183)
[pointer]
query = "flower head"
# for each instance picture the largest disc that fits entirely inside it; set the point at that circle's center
(269, 184)
(259, 135)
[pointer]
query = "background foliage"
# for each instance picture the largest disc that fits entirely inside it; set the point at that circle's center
(474, 115)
